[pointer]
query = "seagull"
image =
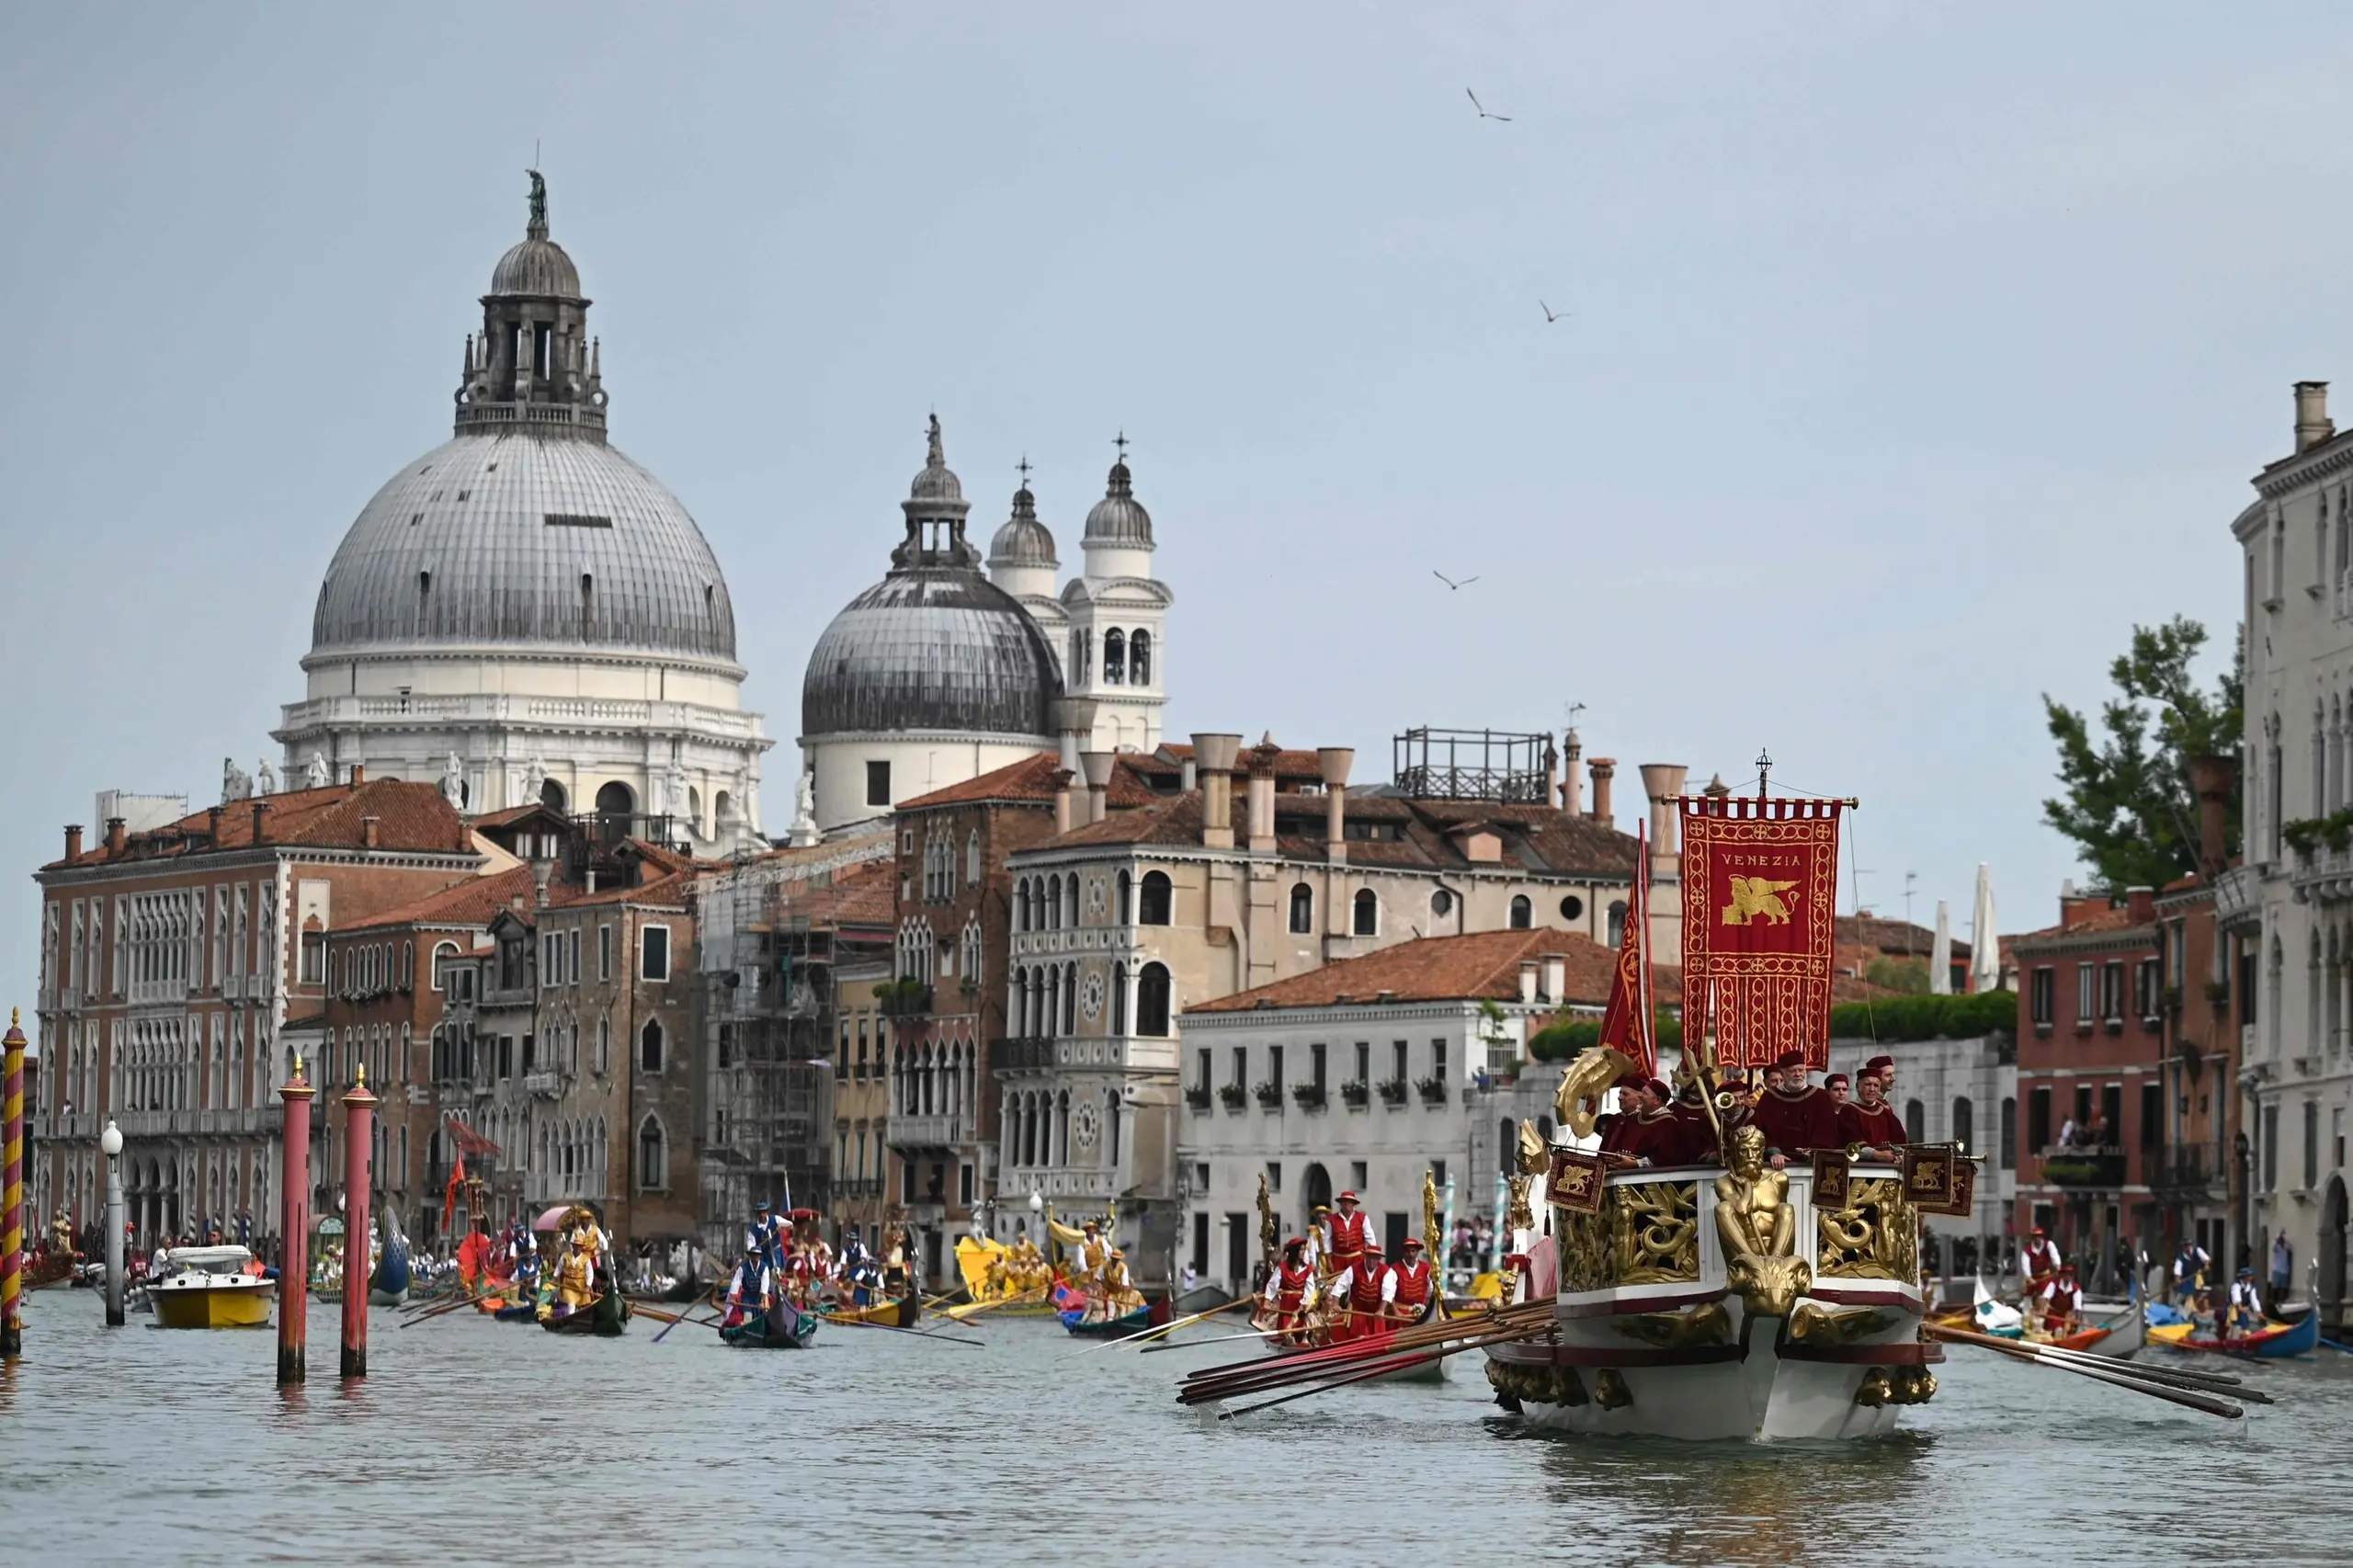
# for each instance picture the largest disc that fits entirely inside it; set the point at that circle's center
(1450, 582)
(1483, 108)
(1551, 316)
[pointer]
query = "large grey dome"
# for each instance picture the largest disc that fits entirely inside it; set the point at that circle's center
(526, 537)
(931, 648)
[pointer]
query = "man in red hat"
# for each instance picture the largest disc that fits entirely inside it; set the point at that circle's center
(1345, 1237)
(2062, 1309)
(1617, 1127)
(1358, 1294)
(1870, 1120)
(1658, 1134)
(1795, 1116)
(1692, 1139)
(2039, 1266)
(1410, 1283)
(1288, 1295)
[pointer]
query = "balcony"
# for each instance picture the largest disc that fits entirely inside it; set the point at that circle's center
(1355, 1093)
(2187, 1175)
(2096, 1167)
(2238, 894)
(1269, 1094)
(547, 1085)
(1062, 1185)
(1198, 1098)
(934, 1132)
(1393, 1092)
(1233, 1096)
(1432, 1090)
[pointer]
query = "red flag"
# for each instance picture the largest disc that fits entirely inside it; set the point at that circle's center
(450, 1198)
(1760, 883)
(1627, 1024)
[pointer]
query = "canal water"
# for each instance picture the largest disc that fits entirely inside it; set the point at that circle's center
(480, 1442)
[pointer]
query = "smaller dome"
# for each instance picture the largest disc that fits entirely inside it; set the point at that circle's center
(936, 482)
(1023, 541)
(536, 265)
(1118, 518)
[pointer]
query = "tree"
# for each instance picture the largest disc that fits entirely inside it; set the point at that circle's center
(2125, 800)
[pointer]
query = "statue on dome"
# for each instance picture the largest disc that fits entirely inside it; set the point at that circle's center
(935, 455)
(267, 777)
(315, 772)
(538, 202)
(804, 799)
(236, 783)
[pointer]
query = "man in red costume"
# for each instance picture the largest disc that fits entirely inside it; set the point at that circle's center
(1656, 1133)
(2061, 1313)
(1691, 1139)
(1359, 1293)
(1617, 1127)
(1838, 1088)
(1289, 1293)
(1344, 1236)
(1410, 1283)
(2038, 1266)
(1870, 1120)
(1795, 1116)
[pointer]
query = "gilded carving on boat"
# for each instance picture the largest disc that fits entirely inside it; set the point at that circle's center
(1814, 1323)
(1706, 1325)
(1655, 1232)
(1758, 1229)
(1584, 1242)
(1876, 1236)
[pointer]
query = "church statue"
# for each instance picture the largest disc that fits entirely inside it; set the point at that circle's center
(937, 454)
(539, 204)
(535, 782)
(235, 784)
(268, 776)
(804, 799)
(453, 782)
(315, 772)
(1758, 1229)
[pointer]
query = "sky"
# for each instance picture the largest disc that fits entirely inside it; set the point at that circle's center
(1909, 354)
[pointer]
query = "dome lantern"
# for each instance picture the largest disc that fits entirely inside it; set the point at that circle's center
(534, 363)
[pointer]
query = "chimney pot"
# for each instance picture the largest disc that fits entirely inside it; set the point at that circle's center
(1663, 782)
(2210, 778)
(367, 832)
(1604, 769)
(261, 822)
(1213, 756)
(1556, 976)
(358, 775)
(1527, 979)
(115, 835)
(1334, 763)
(2313, 424)
(212, 820)
(2142, 903)
(1572, 776)
(1062, 801)
(1096, 766)
(72, 841)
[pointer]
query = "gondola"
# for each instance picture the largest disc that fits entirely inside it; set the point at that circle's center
(2274, 1341)
(786, 1328)
(607, 1316)
(900, 1313)
(388, 1285)
(1152, 1314)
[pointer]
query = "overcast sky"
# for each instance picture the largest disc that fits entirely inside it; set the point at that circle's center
(1912, 352)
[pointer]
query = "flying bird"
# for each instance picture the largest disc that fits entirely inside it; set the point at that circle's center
(1450, 582)
(1551, 316)
(1483, 108)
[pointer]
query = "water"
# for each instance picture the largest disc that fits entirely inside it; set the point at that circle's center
(483, 1442)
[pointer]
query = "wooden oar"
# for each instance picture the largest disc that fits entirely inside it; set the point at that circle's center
(892, 1328)
(1256, 1377)
(1220, 1339)
(1168, 1328)
(2207, 1403)
(2174, 1377)
(443, 1310)
(1380, 1368)
(972, 1310)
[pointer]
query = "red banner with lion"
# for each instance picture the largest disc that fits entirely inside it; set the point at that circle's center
(1760, 888)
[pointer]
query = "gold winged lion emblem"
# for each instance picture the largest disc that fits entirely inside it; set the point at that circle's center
(1752, 896)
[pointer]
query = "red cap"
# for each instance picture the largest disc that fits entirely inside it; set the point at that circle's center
(1658, 1087)
(1790, 1059)
(1837, 1081)
(1880, 1064)
(1350, 1197)
(1412, 1244)
(1371, 1246)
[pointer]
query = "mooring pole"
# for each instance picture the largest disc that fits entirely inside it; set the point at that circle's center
(294, 1228)
(358, 1124)
(12, 1195)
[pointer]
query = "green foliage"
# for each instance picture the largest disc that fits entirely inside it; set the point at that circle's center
(1926, 1017)
(2305, 835)
(2125, 799)
(1907, 975)
(1559, 1041)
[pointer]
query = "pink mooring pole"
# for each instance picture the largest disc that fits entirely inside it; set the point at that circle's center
(294, 1228)
(359, 1130)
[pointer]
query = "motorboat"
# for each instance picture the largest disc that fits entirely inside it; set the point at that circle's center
(211, 1286)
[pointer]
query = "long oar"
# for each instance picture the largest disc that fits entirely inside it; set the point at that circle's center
(1382, 1368)
(894, 1328)
(2207, 1403)
(970, 1310)
(443, 1310)
(1338, 1361)
(2223, 1382)
(1220, 1339)
(1168, 1328)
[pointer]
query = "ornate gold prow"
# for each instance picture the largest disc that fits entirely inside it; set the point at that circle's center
(1758, 1229)
(1589, 1076)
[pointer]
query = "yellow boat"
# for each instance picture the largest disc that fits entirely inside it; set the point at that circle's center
(901, 1313)
(211, 1288)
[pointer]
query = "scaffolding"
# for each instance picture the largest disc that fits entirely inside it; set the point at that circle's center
(1473, 764)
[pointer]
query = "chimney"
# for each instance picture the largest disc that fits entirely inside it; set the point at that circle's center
(1528, 978)
(212, 819)
(2142, 904)
(2210, 778)
(368, 831)
(1062, 777)
(1663, 782)
(72, 841)
(114, 835)
(1213, 755)
(1572, 778)
(1073, 720)
(261, 822)
(1096, 764)
(1187, 779)
(1556, 976)
(2313, 425)
(358, 775)
(1334, 763)
(1262, 794)
(1604, 769)
(540, 872)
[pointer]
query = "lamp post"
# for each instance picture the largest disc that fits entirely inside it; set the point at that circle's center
(110, 1144)
(1038, 1224)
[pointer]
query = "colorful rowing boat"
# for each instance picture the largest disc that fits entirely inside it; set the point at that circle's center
(2273, 1341)
(786, 1328)
(900, 1313)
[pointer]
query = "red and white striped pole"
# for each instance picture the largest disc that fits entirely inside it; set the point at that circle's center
(294, 1229)
(12, 1195)
(359, 1130)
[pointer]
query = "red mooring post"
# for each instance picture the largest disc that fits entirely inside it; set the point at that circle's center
(11, 1192)
(294, 1229)
(358, 1130)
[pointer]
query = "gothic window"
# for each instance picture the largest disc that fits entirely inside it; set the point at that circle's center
(1115, 657)
(653, 1156)
(1153, 998)
(1021, 905)
(972, 857)
(1522, 913)
(1118, 999)
(649, 1046)
(1157, 898)
(1070, 900)
(1367, 914)
(1617, 923)
(1139, 658)
(1303, 908)
(1054, 902)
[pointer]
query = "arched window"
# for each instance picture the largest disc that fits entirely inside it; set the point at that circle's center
(1127, 885)
(551, 795)
(1115, 657)
(1915, 1121)
(616, 799)
(1153, 1000)
(1367, 914)
(1118, 999)
(1054, 903)
(1617, 923)
(1078, 641)
(1303, 908)
(649, 1046)
(1157, 898)
(653, 1156)
(1964, 1124)
(1021, 905)
(1523, 914)
(1139, 658)
(1111, 1111)
(1070, 900)
(1070, 998)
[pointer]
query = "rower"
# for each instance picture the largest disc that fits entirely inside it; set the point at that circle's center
(2062, 1312)
(753, 1288)
(1871, 1121)
(1349, 1239)
(2190, 1267)
(1359, 1293)
(2245, 1312)
(2038, 1266)
(1410, 1283)
(1795, 1116)
(1289, 1293)
(1319, 1240)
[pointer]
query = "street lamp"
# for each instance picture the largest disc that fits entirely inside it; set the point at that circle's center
(110, 1144)
(1038, 1225)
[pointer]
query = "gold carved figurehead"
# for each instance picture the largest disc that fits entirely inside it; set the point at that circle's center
(1585, 1084)
(1758, 1229)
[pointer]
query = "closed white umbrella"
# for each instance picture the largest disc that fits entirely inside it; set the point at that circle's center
(1984, 947)
(1940, 955)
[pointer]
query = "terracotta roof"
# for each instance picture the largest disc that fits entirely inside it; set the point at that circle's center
(410, 819)
(1438, 968)
(2091, 923)
(1894, 938)
(1032, 779)
(1288, 763)
(470, 902)
(857, 895)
